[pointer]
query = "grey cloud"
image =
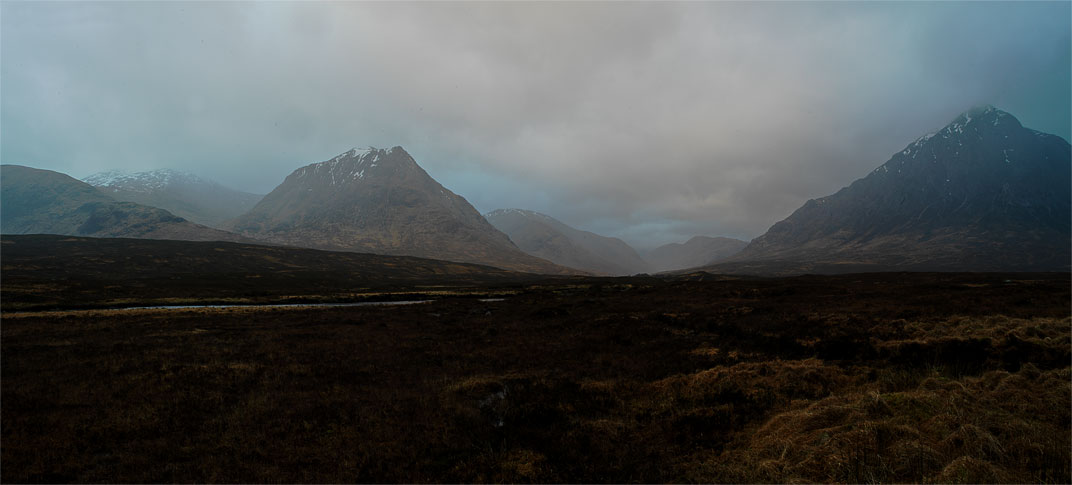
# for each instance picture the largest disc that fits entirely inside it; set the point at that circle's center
(649, 121)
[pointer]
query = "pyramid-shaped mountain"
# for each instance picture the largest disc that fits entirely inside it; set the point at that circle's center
(380, 201)
(982, 194)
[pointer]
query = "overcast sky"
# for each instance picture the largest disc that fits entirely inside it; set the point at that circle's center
(648, 121)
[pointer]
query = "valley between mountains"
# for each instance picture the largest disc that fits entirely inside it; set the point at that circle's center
(982, 194)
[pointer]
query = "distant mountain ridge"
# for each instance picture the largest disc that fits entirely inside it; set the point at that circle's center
(181, 193)
(548, 238)
(380, 201)
(697, 251)
(982, 194)
(34, 201)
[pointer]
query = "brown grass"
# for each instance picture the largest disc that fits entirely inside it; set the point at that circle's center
(879, 378)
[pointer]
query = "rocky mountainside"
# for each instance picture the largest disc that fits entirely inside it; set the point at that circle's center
(697, 251)
(380, 201)
(34, 201)
(545, 237)
(982, 194)
(183, 194)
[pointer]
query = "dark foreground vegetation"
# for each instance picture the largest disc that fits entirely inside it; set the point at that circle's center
(855, 378)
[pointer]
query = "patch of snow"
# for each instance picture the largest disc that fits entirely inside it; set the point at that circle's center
(103, 179)
(350, 165)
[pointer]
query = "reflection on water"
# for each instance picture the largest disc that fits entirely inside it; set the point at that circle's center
(279, 305)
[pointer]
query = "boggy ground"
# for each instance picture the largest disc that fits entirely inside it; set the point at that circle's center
(856, 378)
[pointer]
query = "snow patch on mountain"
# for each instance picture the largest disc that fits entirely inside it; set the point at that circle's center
(347, 166)
(146, 182)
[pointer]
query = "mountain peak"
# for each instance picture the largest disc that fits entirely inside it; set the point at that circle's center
(357, 164)
(979, 110)
(360, 153)
(517, 212)
(981, 117)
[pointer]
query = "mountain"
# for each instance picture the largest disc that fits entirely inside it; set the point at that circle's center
(381, 201)
(34, 201)
(545, 237)
(698, 251)
(183, 194)
(982, 194)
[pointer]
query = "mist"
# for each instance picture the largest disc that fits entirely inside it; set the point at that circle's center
(652, 122)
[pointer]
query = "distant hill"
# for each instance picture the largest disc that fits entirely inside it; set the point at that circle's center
(34, 201)
(545, 237)
(183, 194)
(381, 201)
(110, 271)
(983, 193)
(697, 251)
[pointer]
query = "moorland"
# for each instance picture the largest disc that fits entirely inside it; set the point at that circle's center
(880, 377)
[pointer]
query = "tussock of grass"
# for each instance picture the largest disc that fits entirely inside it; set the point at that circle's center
(963, 430)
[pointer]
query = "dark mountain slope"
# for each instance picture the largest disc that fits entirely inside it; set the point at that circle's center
(982, 194)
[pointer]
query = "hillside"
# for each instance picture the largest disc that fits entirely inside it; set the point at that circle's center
(697, 251)
(36, 201)
(117, 272)
(546, 237)
(184, 194)
(982, 194)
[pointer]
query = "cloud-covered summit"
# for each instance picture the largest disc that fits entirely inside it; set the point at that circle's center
(648, 121)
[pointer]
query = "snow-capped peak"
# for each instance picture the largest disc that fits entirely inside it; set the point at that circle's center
(968, 118)
(148, 181)
(349, 165)
(979, 111)
(520, 212)
(356, 152)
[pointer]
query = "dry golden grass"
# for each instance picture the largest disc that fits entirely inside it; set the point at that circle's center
(995, 428)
